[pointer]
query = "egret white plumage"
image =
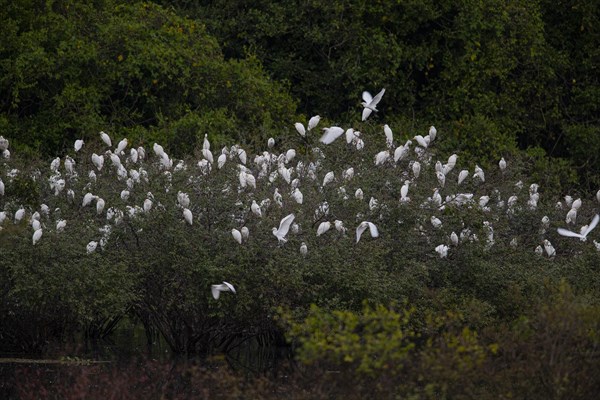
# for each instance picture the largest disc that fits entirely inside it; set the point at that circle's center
(442, 250)
(323, 227)
(300, 129)
(370, 103)
(303, 249)
(389, 135)
(583, 235)
(187, 216)
(87, 199)
(363, 226)
(416, 168)
(78, 145)
(502, 164)
(60, 225)
(313, 122)
(105, 138)
(91, 246)
(37, 235)
(550, 250)
(284, 227)
(255, 208)
(223, 287)
(237, 235)
(330, 134)
(121, 146)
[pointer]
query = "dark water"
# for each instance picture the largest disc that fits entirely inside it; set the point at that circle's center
(126, 347)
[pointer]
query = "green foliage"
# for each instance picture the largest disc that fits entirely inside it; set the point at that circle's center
(71, 69)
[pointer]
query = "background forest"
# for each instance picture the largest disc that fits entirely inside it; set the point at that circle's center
(498, 313)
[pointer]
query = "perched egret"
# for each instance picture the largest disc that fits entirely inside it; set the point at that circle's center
(223, 287)
(1, 188)
(256, 209)
(382, 157)
(436, 222)
(91, 246)
(328, 178)
(416, 168)
(432, 133)
(87, 199)
(389, 135)
(187, 215)
(284, 227)
(359, 194)
(147, 205)
(60, 225)
(298, 196)
(303, 249)
(245, 233)
(206, 143)
(121, 146)
(502, 164)
(339, 226)
(271, 143)
(363, 226)
(370, 103)
(98, 161)
(300, 128)
(105, 138)
(323, 227)
(237, 235)
(78, 144)
(37, 235)
(221, 160)
(462, 175)
(583, 235)
(454, 238)
(442, 250)
(100, 203)
(479, 173)
(550, 250)
(313, 122)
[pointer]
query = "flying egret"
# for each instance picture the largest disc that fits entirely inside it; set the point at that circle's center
(331, 134)
(78, 145)
(105, 138)
(187, 215)
(370, 103)
(237, 235)
(284, 227)
(323, 227)
(223, 287)
(363, 226)
(583, 235)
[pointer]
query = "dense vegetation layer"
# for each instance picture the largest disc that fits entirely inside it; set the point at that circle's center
(467, 291)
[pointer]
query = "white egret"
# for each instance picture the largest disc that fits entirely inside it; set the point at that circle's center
(241, 153)
(389, 135)
(454, 238)
(223, 287)
(121, 146)
(133, 155)
(124, 195)
(436, 222)
(351, 135)
(331, 134)
(462, 175)
(237, 235)
(329, 177)
(256, 209)
(363, 226)
(271, 143)
(442, 250)
(539, 250)
(2, 217)
(416, 168)
(55, 164)
(360, 144)
(382, 157)
(245, 233)
(598, 196)
(313, 122)
(370, 103)
(359, 194)
(91, 246)
(207, 154)
(147, 205)
(400, 153)
(348, 174)
(36, 224)
(298, 196)
(60, 225)
(37, 235)
(432, 133)
(87, 199)
(583, 235)
(187, 216)
(441, 178)
(284, 227)
(502, 164)
(303, 249)
(78, 145)
(221, 160)
(100, 203)
(571, 216)
(300, 128)
(479, 173)
(3, 143)
(206, 143)
(183, 199)
(421, 141)
(278, 198)
(323, 227)
(576, 204)
(98, 161)
(158, 149)
(339, 226)
(105, 138)
(1, 188)
(550, 250)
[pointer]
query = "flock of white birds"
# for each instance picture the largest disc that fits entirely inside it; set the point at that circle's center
(283, 173)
